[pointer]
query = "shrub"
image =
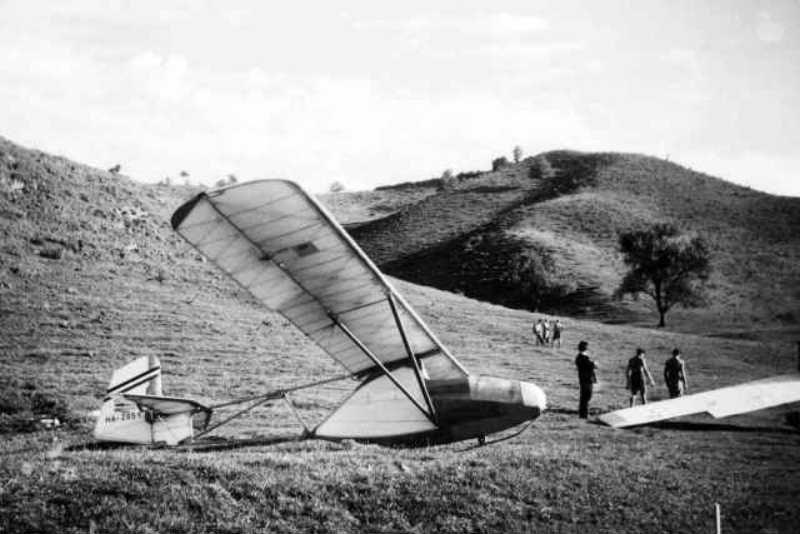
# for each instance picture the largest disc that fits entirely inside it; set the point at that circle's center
(22, 405)
(499, 163)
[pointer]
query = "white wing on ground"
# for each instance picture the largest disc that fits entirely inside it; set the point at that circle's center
(723, 402)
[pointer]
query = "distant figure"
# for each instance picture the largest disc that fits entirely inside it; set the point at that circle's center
(547, 331)
(586, 378)
(675, 375)
(635, 376)
(538, 332)
(557, 327)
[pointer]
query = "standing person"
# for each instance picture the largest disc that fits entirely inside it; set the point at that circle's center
(675, 375)
(538, 332)
(586, 378)
(547, 330)
(557, 333)
(635, 376)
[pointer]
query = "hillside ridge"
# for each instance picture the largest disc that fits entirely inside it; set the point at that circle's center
(565, 210)
(91, 277)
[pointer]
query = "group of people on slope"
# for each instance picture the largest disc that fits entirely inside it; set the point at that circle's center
(547, 332)
(636, 376)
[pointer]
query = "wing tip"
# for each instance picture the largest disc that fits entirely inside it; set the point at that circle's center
(184, 210)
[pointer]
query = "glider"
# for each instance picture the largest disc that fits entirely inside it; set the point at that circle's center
(284, 248)
(723, 402)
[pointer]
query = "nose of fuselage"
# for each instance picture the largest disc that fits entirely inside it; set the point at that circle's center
(533, 397)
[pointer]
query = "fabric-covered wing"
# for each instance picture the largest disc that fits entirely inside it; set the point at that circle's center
(284, 248)
(166, 405)
(723, 402)
(378, 409)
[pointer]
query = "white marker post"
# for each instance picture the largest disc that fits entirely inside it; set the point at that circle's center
(718, 513)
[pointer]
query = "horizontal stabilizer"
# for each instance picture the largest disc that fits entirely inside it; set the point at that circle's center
(723, 402)
(166, 405)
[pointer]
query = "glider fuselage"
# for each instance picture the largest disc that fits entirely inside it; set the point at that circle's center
(474, 407)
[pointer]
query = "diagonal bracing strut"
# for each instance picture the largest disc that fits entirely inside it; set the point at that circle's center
(411, 356)
(382, 367)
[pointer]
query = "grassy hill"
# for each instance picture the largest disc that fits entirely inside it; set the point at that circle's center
(565, 209)
(91, 276)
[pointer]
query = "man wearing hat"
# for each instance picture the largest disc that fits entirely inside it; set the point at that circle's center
(586, 378)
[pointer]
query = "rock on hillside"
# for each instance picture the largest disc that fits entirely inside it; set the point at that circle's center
(559, 215)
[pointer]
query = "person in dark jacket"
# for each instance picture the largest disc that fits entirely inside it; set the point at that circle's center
(587, 377)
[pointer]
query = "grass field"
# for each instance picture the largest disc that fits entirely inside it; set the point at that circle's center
(560, 475)
(124, 286)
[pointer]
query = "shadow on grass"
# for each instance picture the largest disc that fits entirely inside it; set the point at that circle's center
(214, 445)
(100, 446)
(209, 445)
(500, 439)
(718, 427)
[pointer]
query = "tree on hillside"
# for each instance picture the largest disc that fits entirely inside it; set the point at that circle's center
(336, 187)
(115, 169)
(499, 163)
(228, 180)
(665, 265)
(517, 153)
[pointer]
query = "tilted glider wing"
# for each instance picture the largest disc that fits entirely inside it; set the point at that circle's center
(283, 247)
(723, 402)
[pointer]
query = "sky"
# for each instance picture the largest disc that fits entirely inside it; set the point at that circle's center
(369, 93)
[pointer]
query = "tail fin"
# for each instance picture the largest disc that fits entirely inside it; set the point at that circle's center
(140, 377)
(120, 419)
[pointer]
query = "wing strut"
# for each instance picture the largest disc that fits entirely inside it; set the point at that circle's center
(413, 357)
(290, 404)
(382, 367)
(264, 398)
